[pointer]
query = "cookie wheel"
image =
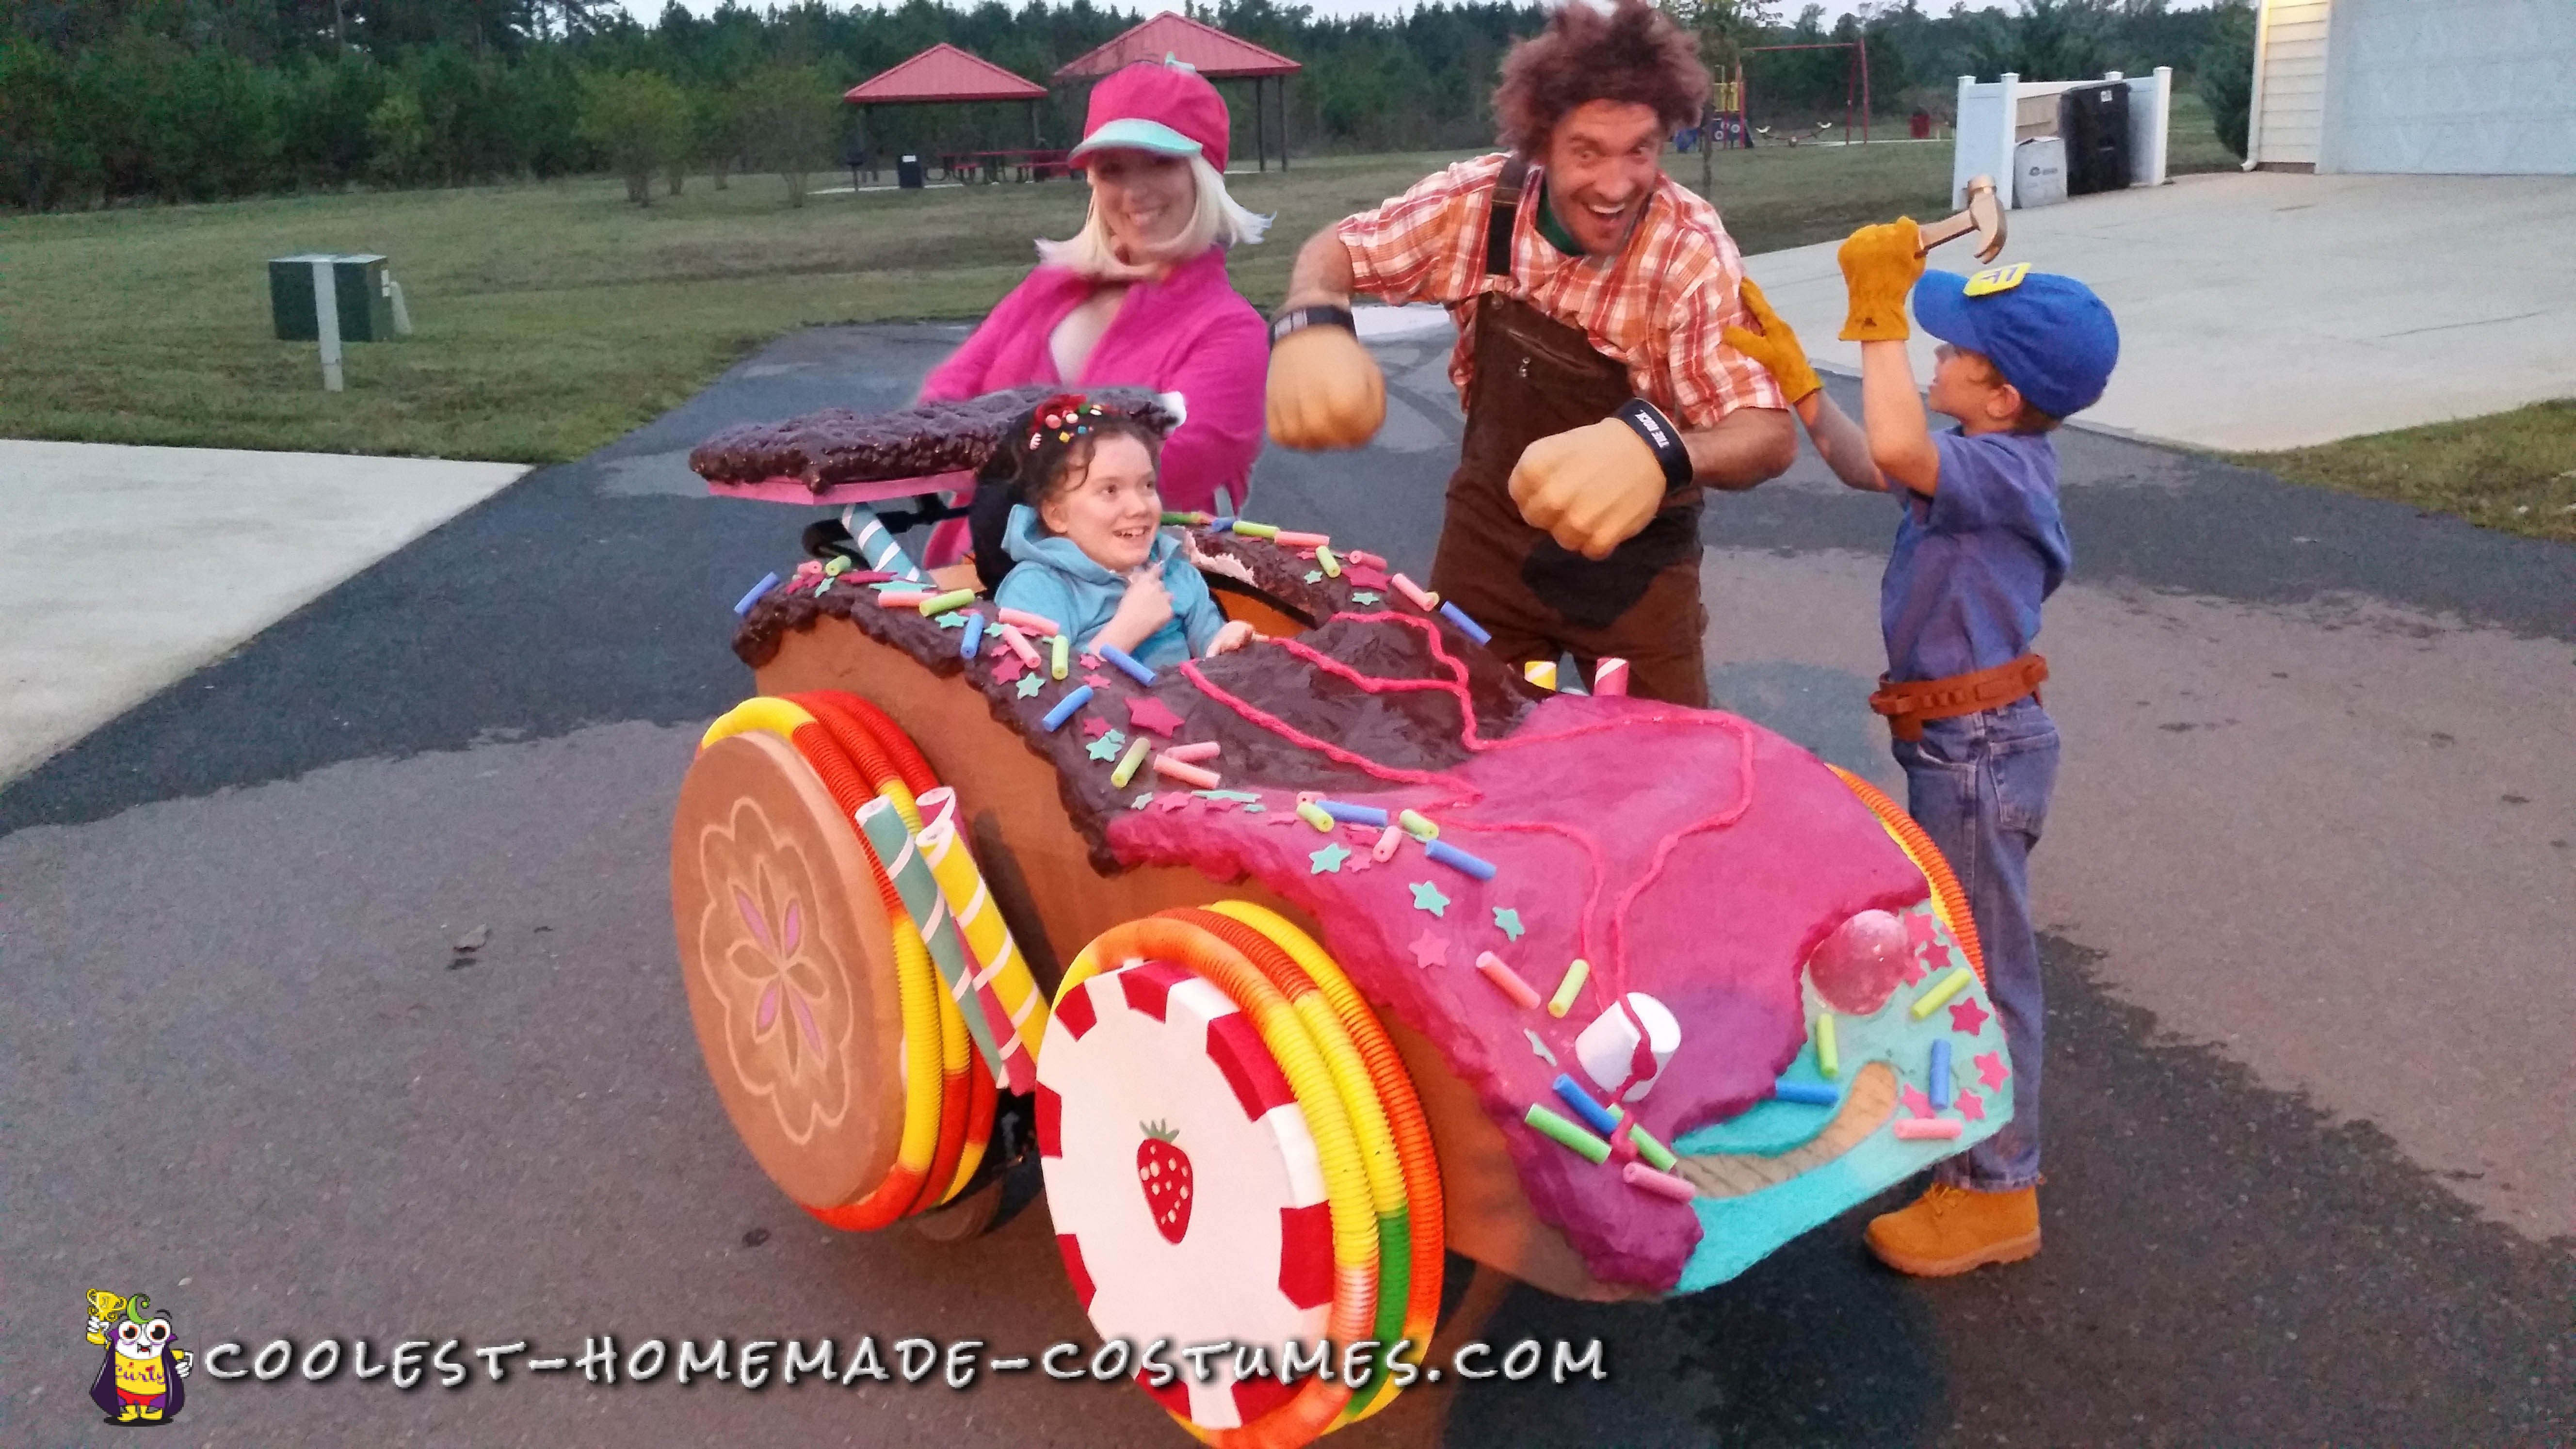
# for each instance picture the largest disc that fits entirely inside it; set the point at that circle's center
(1184, 1181)
(789, 965)
(845, 1066)
(1233, 1153)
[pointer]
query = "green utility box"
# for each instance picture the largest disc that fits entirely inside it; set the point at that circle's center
(364, 295)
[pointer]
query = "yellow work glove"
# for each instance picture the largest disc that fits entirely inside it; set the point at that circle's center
(1770, 342)
(1590, 488)
(1325, 390)
(1880, 265)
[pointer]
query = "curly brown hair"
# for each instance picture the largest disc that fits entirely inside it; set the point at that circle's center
(1632, 53)
(1051, 444)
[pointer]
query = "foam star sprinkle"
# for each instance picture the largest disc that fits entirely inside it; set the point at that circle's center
(1430, 949)
(1427, 897)
(953, 619)
(1327, 861)
(1106, 747)
(1971, 1106)
(1915, 1102)
(1968, 1018)
(1363, 596)
(1508, 921)
(1992, 1071)
(1150, 713)
(1029, 686)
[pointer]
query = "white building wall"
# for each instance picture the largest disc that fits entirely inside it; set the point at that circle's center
(2463, 86)
(2288, 123)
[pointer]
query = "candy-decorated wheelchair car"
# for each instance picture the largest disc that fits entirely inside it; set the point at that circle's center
(1302, 964)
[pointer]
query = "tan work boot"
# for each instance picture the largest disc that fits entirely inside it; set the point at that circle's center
(1951, 1230)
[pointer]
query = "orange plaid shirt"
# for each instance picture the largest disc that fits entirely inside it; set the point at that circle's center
(1658, 307)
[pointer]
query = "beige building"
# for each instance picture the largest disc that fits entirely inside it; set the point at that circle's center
(2456, 86)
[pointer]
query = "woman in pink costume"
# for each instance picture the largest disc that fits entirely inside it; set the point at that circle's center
(1139, 297)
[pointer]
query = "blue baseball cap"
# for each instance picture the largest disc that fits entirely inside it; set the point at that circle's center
(2049, 336)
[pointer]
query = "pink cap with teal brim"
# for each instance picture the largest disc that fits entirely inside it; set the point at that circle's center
(1133, 134)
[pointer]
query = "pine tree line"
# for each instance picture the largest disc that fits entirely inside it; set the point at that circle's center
(106, 101)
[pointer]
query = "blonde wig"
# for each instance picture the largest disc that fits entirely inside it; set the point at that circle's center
(1218, 220)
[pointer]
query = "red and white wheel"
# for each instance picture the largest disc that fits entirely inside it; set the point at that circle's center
(1188, 1197)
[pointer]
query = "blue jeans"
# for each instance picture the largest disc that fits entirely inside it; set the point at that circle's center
(1979, 786)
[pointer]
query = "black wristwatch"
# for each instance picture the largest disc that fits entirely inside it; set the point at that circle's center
(1298, 319)
(1650, 424)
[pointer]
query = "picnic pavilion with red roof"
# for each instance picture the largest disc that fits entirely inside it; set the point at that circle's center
(1215, 54)
(946, 75)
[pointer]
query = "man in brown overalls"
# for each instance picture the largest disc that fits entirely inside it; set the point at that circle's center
(1591, 292)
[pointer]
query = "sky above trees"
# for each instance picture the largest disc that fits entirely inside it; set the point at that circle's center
(646, 10)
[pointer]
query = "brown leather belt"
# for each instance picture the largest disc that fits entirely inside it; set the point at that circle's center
(1909, 704)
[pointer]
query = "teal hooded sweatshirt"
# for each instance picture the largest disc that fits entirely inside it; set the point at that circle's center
(1053, 578)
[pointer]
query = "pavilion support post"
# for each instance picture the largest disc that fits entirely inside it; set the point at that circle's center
(1283, 123)
(1260, 126)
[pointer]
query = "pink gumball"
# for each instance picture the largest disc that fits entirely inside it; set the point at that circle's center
(1858, 966)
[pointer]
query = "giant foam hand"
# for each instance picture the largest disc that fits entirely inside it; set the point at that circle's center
(1325, 390)
(1591, 488)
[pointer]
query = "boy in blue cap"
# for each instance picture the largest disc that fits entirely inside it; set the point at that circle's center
(1979, 546)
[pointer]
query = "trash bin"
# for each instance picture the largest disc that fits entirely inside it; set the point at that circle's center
(907, 173)
(365, 298)
(2039, 171)
(2094, 120)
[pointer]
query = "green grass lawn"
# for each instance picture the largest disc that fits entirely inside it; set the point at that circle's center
(553, 317)
(2513, 471)
(2191, 138)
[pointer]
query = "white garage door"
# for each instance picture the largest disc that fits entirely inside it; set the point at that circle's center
(2478, 86)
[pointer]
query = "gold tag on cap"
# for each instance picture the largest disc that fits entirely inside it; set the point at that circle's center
(1996, 279)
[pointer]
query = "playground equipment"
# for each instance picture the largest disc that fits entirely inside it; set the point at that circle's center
(1729, 123)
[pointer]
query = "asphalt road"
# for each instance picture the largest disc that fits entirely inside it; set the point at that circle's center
(2309, 889)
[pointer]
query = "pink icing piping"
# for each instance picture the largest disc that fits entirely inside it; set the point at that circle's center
(1641, 1061)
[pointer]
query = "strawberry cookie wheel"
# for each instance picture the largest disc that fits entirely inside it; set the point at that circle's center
(1425, 1208)
(1380, 1162)
(1187, 1048)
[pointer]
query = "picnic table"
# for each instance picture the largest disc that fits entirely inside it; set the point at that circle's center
(1025, 164)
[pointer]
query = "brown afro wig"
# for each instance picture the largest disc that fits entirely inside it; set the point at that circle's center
(1630, 53)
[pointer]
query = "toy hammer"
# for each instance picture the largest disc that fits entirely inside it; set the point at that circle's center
(1981, 215)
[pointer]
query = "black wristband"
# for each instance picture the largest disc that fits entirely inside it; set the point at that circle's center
(1650, 424)
(1298, 319)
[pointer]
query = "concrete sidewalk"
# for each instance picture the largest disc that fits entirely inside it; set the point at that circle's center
(123, 569)
(2268, 310)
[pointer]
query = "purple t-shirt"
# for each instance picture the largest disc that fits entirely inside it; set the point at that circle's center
(1973, 561)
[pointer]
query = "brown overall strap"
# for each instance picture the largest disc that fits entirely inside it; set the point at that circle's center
(1501, 210)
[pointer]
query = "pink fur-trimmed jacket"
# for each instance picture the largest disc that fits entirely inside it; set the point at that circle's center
(1190, 333)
